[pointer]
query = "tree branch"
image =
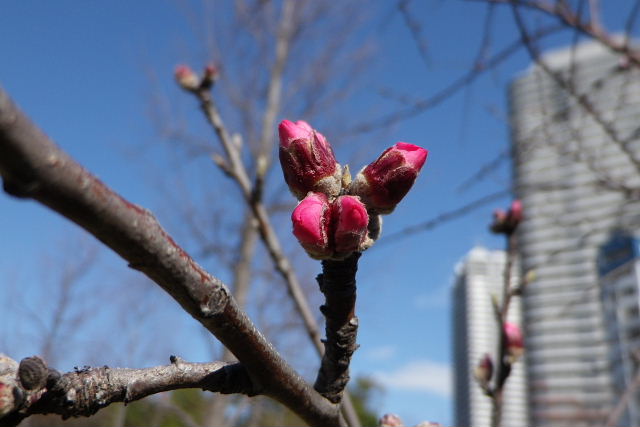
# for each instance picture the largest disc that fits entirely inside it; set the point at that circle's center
(31, 165)
(85, 391)
(338, 284)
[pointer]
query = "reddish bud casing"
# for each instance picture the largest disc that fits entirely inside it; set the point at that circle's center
(350, 221)
(507, 222)
(331, 230)
(311, 222)
(307, 160)
(382, 184)
(484, 370)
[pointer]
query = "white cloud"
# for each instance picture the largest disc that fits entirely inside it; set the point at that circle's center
(382, 353)
(419, 375)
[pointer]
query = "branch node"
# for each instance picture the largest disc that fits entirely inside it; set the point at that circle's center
(33, 373)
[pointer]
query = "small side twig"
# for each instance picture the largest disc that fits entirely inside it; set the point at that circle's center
(83, 392)
(338, 284)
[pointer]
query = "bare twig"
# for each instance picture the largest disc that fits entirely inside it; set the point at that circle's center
(581, 98)
(571, 19)
(445, 217)
(85, 391)
(453, 88)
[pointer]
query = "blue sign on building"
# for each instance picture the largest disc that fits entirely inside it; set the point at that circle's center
(620, 249)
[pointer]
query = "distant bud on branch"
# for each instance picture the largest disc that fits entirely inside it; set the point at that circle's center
(186, 78)
(382, 184)
(390, 420)
(484, 371)
(209, 76)
(514, 341)
(507, 222)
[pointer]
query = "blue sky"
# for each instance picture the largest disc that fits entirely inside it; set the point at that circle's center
(85, 71)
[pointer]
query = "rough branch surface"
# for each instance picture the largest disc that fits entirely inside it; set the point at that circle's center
(85, 391)
(338, 284)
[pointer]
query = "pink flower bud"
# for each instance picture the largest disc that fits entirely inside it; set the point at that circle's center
(311, 221)
(515, 212)
(186, 78)
(307, 160)
(484, 371)
(507, 222)
(390, 420)
(209, 76)
(383, 183)
(350, 221)
(514, 340)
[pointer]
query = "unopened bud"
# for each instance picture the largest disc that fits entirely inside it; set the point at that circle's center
(514, 341)
(507, 222)
(209, 76)
(311, 221)
(382, 184)
(11, 396)
(484, 371)
(307, 160)
(390, 420)
(32, 373)
(515, 212)
(186, 78)
(350, 220)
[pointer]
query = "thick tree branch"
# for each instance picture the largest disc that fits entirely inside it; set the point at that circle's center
(32, 166)
(338, 284)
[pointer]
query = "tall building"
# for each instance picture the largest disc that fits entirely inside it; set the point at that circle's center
(479, 277)
(574, 156)
(619, 281)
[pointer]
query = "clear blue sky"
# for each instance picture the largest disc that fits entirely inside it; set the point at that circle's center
(81, 71)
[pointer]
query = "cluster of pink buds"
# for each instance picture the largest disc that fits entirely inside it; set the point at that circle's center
(507, 222)
(190, 81)
(332, 219)
(514, 341)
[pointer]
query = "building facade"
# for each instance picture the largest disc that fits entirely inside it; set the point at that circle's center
(576, 154)
(479, 277)
(619, 281)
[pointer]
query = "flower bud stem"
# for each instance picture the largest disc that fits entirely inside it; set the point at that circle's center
(338, 284)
